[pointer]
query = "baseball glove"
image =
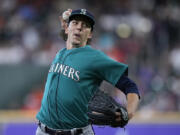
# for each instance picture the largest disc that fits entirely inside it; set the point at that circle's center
(102, 110)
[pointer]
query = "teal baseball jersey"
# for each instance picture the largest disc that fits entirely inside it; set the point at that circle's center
(73, 77)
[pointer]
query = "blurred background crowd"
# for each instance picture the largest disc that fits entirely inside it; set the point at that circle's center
(145, 34)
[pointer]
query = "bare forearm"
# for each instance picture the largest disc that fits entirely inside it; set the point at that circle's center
(129, 88)
(132, 104)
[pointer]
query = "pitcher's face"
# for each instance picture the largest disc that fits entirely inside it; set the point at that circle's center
(78, 31)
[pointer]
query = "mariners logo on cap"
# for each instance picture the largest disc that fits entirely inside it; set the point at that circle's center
(83, 11)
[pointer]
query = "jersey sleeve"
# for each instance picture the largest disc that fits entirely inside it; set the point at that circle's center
(109, 69)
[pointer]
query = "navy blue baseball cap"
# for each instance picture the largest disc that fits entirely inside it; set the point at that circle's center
(83, 13)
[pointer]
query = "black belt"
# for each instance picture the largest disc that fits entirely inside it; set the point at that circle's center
(77, 131)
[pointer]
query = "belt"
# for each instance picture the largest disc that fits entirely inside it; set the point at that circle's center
(75, 131)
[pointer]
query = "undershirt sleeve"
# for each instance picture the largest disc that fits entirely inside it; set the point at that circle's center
(126, 85)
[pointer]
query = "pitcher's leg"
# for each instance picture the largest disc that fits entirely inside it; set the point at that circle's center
(88, 131)
(40, 132)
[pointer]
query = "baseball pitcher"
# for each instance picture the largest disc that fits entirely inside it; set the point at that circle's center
(71, 104)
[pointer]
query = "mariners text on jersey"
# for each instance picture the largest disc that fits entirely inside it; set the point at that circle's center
(65, 70)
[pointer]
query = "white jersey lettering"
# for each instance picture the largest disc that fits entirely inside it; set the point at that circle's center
(65, 70)
(71, 72)
(51, 68)
(56, 67)
(77, 76)
(61, 68)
